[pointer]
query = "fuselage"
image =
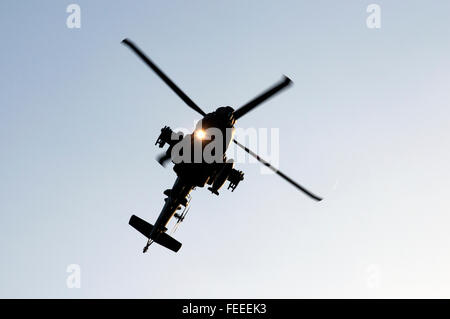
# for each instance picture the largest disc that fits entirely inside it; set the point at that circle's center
(216, 127)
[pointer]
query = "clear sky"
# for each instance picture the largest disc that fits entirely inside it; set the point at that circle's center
(366, 125)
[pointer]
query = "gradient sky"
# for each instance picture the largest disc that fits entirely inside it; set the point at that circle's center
(366, 125)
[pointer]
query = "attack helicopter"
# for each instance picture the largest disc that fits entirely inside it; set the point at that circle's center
(193, 171)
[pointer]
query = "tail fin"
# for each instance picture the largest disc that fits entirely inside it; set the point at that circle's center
(145, 229)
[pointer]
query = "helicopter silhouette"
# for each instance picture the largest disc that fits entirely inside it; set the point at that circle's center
(192, 173)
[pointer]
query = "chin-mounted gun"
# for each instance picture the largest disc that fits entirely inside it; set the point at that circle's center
(234, 178)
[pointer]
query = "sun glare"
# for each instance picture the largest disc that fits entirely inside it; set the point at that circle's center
(200, 134)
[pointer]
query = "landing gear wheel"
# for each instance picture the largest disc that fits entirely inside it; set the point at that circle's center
(149, 242)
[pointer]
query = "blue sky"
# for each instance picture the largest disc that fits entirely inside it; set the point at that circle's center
(365, 125)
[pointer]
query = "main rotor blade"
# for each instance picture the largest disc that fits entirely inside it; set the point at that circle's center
(163, 159)
(164, 77)
(261, 98)
(304, 190)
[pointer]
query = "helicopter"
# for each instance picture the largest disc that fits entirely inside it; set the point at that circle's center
(197, 171)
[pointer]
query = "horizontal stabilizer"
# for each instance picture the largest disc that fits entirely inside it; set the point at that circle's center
(146, 228)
